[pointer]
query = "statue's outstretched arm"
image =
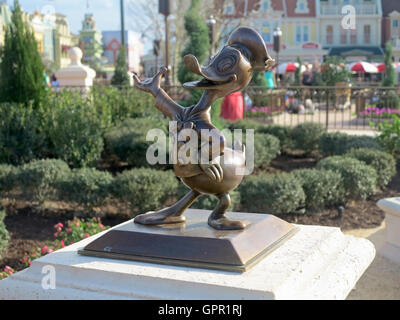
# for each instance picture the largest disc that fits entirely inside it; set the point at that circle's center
(164, 103)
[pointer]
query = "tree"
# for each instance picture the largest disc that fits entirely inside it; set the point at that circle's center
(390, 74)
(297, 73)
(258, 79)
(121, 77)
(198, 45)
(22, 72)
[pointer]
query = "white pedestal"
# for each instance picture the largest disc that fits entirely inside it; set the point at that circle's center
(391, 248)
(316, 263)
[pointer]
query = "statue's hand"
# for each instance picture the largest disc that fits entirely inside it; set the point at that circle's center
(213, 170)
(151, 85)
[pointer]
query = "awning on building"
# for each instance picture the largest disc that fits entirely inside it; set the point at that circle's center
(349, 52)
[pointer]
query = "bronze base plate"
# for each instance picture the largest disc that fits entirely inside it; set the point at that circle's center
(194, 243)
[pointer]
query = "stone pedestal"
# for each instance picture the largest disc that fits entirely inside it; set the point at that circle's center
(315, 263)
(391, 248)
(76, 75)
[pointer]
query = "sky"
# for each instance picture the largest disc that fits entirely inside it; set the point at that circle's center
(106, 12)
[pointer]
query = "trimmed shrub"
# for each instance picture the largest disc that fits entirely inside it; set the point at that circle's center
(284, 134)
(322, 188)
(382, 162)
(8, 173)
(245, 124)
(272, 193)
(266, 148)
(306, 136)
(337, 143)
(4, 236)
(144, 189)
(359, 179)
(19, 139)
(128, 140)
(37, 179)
(209, 202)
(88, 187)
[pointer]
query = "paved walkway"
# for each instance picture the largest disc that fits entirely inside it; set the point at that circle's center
(381, 281)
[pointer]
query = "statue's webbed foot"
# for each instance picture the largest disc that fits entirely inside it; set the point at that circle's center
(223, 223)
(158, 217)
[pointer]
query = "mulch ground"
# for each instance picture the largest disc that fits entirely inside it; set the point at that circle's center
(29, 229)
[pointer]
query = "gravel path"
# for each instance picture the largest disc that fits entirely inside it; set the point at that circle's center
(381, 281)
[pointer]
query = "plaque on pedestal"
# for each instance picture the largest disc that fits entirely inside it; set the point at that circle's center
(194, 243)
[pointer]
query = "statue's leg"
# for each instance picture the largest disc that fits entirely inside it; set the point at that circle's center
(219, 221)
(171, 214)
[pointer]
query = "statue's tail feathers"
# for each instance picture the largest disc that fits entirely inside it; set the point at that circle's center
(239, 146)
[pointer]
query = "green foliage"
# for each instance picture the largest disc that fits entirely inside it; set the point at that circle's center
(198, 45)
(75, 134)
(20, 140)
(306, 136)
(37, 179)
(8, 174)
(4, 236)
(382, 162)
(128, 140)
(274, 194)
(389, 136)
(144, 189)
(87, 187)
(390, 73)
(266, 148)
(337, 143)
(209, 202)
(297, 73)
(258, 79)
(333, 71)
(21, 67)
(322, 188)
(283, 133)
(121, 77)
(245, 124)
(359, 179)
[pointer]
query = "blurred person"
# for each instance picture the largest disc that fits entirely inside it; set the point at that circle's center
(54, 81)
(232, 106)
(307, 78)
(270, 77)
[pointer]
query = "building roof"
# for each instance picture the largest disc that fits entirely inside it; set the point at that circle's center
(389, 6)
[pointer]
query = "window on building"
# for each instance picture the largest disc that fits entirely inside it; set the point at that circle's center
(229, 8)
(329, 34)
(367, 34)
(306, 33)
(266, 32)
(298, 34)
(266, 5)
(343, 36)
(395, 23)
(353, 36)
(302, 6)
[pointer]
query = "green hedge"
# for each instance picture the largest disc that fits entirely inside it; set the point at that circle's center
(37, 179)
(209, 202)
(245, 124)
(87, 187)
(337, 143)
(144, 189)
(323, 188)
(382, 162)
(128, 140)
(283, 133)
(8, 175)
(359, 179)
(4, 236)
(306, 136)
(272, 193)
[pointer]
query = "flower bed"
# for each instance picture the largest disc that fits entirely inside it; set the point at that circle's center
(374, 112)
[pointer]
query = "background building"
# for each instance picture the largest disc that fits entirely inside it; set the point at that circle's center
(112, 44)
(391, 25)
(64, 40)
(90, 40)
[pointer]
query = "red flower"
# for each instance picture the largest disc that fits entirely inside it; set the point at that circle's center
(44, 250)
(87, 235)
(62, 244)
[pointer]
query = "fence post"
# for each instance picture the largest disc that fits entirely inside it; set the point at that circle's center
(327, 110)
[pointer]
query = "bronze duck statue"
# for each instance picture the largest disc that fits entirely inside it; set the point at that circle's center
(228, 71)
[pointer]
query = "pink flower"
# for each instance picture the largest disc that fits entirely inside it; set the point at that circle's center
(101, 226)
(62, 244)
(44, 250)
(9, 270)
(24, 259)
(69, 230)
(55, 234)
(87, 235)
